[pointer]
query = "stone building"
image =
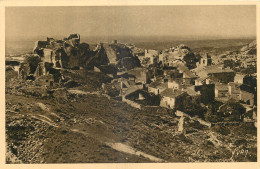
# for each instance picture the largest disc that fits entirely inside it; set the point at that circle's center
(205, 60)
(207, 92)
(171, 98)
(234, 90)
(221, 90)
(248, 95)
(45, 80)
(153, 55)
(239, 78)
(142, 75)
(157, 87)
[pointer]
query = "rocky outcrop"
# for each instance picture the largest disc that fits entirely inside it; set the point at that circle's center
(73, 39)
(179, 54)
(67, 53)
(98, 58)
(121, 56)
(250, 48)
(129, 63)
(118, 55)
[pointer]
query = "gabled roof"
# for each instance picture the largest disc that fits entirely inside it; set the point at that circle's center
(191, 92)
(217, 69)
(171, 93)
(158, 84)
(247, 88)
(186, 71)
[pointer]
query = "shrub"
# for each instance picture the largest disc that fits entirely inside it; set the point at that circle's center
(33, 61)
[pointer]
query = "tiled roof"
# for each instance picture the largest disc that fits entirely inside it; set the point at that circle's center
(191, 92)
(171, 93)
(216, 69)
(186, 71)
(158, 84)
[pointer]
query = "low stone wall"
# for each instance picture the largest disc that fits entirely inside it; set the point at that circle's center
(203, 122)
(131, 103)
(208, 124)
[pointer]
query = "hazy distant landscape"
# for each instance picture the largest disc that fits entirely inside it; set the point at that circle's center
(24, 45)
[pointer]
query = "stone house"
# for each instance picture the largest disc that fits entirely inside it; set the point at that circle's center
(45, 80)
(248, 95)
(187, 76)
(216, 73)
(172, 98)
(207, 92)
(222, 75)
(239, 78)
(152, 55)
(194, 95)
(205, 60)
(157, 87)
(202, 81)
(142, 75)
(234, 90)
(221, 90)
(174, 84)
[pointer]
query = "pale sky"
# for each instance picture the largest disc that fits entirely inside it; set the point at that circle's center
(201, 21)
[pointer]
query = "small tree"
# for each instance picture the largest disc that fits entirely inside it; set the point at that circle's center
(33, 61)
(232, 111)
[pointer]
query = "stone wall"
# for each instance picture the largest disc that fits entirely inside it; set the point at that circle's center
(131, 103)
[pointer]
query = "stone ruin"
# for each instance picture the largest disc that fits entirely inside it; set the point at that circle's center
(69, 53)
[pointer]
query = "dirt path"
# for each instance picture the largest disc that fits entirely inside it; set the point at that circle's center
(114, 145)
(125, 148)
(82, 92)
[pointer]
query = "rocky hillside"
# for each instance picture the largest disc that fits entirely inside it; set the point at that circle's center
(250, 48)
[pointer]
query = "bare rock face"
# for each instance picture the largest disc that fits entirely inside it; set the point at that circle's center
(69, 53)
(73, 39)
(43, 68)
(73, 56)
(183, 53)
(62, 53)
(98, 58)
(121, 56)
(129, 63)
(61, 58)
(84, 53)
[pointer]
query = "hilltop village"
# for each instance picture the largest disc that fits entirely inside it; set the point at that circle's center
(189, 87)
(174, 78)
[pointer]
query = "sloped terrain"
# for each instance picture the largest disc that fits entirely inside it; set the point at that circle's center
(89, 127)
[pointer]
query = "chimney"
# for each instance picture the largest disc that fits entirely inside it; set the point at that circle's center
(207, 81)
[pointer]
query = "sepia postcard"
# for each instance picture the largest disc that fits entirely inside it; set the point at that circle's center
(127, 84)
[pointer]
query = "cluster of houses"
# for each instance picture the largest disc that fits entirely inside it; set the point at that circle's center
(178, 85)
